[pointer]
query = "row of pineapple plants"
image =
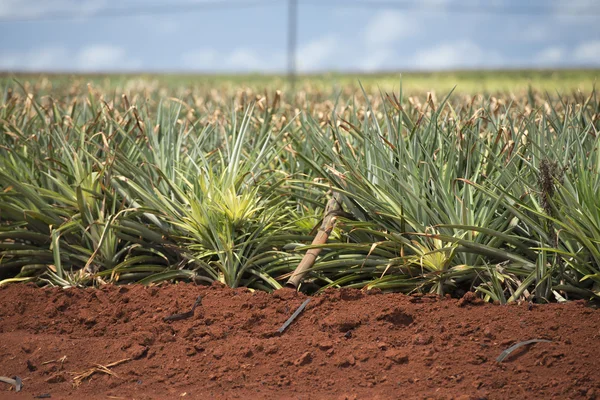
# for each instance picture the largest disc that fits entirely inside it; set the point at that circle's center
(492, 194)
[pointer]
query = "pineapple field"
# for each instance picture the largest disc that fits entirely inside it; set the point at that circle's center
(464, 201)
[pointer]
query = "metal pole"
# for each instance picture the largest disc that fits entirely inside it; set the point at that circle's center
(292, 34)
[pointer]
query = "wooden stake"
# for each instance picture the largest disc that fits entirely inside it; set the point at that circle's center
(332, 210)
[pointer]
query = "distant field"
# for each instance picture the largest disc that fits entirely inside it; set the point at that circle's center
(469, 82)
(158, 178)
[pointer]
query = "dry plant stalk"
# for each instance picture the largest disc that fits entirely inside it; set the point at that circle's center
(98, 369)
(60, 360)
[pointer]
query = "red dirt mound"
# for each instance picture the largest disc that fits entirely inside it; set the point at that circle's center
(346, 344)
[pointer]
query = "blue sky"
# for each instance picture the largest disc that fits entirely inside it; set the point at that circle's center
(436, 35)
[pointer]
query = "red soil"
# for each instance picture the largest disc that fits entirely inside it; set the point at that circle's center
(346, 344)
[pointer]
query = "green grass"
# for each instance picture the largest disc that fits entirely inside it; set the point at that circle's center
(492, 193)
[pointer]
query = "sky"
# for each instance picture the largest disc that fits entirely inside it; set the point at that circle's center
(234, 36)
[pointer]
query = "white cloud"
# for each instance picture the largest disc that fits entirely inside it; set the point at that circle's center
(315, 54)
(244, 59)
(239, 60)
(105, 58)
(588, 53)
(533, 33)
(163, 24)
(9, 62)
(10, 7)
(166, 25)
(57, 58)
(579, 14)
(562, 7)
(45, 58)
(460, 54)
(376, 60)
(550, 55)
(383, 34)
(430, 3)
(38, 8)
(200, 59)
(386, 27)
(436, 3)
(312, 56)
